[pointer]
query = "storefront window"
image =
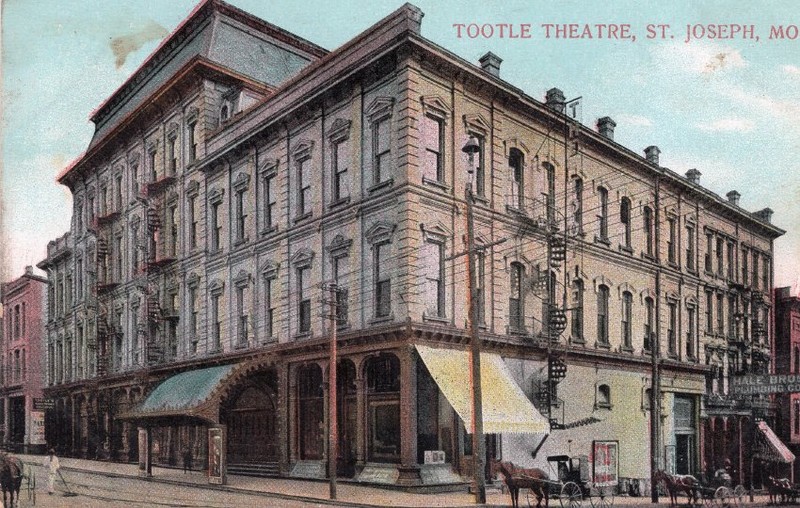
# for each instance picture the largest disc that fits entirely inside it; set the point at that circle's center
(310, 411)
(383, 402)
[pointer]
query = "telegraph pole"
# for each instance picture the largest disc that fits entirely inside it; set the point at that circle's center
(478, 441)
(333, 430)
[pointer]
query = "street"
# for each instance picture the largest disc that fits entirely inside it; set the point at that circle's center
(98, 490)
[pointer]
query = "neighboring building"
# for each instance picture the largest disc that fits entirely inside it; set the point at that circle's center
(224, 185)
(787, 361)
(23, 301)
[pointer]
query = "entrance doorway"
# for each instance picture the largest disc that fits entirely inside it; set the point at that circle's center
(251, 427)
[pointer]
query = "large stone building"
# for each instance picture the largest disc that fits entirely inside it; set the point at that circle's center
(787, 361)
(23, 338)
(242, 167)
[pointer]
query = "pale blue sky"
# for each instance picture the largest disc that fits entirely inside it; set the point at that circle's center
(734, 118)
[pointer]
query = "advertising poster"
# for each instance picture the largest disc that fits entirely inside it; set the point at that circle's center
(596, 196)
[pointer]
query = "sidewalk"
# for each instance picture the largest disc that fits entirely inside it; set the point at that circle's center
(348, 494)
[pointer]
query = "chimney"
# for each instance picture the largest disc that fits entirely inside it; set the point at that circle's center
(764, 215)
(555, 99)
(605, 126)
(733, 197)
(491, 63)
(29, 270)
(693, 176)
(651, 154)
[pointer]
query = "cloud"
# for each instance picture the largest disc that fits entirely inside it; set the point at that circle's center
(791, 69)
(699, 57)
(727, 125)
(126, 44)
(635, 120)
(766, 105)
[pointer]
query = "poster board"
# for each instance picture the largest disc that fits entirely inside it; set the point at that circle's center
(217, 455)
(605, 463)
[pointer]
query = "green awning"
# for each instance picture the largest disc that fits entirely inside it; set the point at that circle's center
(184, 394)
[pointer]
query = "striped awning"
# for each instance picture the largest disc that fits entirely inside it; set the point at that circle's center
(769, 447)
(506, 409)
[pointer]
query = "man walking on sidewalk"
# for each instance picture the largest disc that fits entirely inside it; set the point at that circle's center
(52, 466)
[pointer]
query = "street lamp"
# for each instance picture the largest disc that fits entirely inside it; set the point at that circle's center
(478, 445)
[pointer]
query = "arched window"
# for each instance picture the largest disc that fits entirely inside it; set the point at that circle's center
(604, 396)
(515, 163)
(224, 112)
(625, 220)
(602, 315)
(516, 319)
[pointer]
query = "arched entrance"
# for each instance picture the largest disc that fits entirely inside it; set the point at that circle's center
(251, 419)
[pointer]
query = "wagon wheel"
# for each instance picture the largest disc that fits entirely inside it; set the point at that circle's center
(602, 497)
(739, 494)
(722, 497)
(708, 497)
(571, 495)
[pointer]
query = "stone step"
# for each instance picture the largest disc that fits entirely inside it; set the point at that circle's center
(263, 470)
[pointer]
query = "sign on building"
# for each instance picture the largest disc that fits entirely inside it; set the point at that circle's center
(605, 462)
(40, 404)
(36, 431)
(754, 384)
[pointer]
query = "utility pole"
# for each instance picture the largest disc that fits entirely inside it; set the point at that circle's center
(333, 430)
(478, 443)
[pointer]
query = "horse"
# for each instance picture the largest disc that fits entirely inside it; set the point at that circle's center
(780, 490)
(521, 478)
(10, 478)
(676, 483)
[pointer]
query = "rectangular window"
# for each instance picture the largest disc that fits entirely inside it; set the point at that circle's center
(765, 275)
(241, 217)
(516, 318)
(480, 283)
(118, 197)
(755, 270)
(433, 266)
(720, 246)
(192, 222)
(304, 300)
(625, 220)
(730, 260)
(152, 166)
(709, 312)
(433, 144)
(690, 335)
(134, 181)
(577, 310)
(709, 254)
(720, 315)
(193, 312)
(79, 278)
(216, 323)
(480, 166)
(340, 274)
(269, 309)
(602, 218)
(242, 327)
(383, 295)
(648, 230)
(690, 248)
(119, 257)
(578, 207)
(731, 316)
(341, 189)
(672, 328)
(270, 202)
(627, 303)
(172, 157)
(550, 196)
(304, 187)
(671, 244)
(515, 164)
(602, 315)
(745, 266)
(381, 149)
(192, 142)
(172, 217)
(216, 228)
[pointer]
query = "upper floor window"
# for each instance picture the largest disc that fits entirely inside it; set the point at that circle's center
(383, 288)
(190, 207)
(480, 165)
(627, 304)
(602, 217)
(690, 248)
(432, 132)
(720, 246)
(269, 307)
(152, 166)
(602, 314)
(550, 192)
(304, 299)
(730, 260)
(672, 328)
(515, 164)
(433, 265)
(577, 207)
(765, 275)
(648, 324)
(672, 246)
(241, 216)
(340, 159)
(755, 270)
(216, 227)
(709, 312)
(648, 230)
(191, 142)
(480, 283)
(690, 332)
(516, 315)
(381, 149)
(745, 266)
(604, 396)
(303, 187)
(216, 321)
(720, 314)
(172, 222)
(709, 252)
(625, 220)
(172, 157)
(242, 318)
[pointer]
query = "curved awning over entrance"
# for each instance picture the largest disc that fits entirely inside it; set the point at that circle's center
(506, 409)
(188, 394)
(769, 447)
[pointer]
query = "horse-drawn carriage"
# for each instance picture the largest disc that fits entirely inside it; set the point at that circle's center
(782, 491)
(714, 490)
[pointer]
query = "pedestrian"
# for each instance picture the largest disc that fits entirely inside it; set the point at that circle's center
(52, 466)
(187, 459)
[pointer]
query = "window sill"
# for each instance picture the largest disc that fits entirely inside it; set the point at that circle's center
(269, 230)
(626, 349)
(339, 203)
(515, 211)
(342, 327)
(216, 252)
(481, 199)
(602, 345)
(240, 242)
(604, 406)
(386, 184)
(512, 330)
(436, 183)
(578, 341)
(673, 264)
(215, 351)
(602, 240)
(302, 335)
(301, 218)
(238, 347)
(648, 257)
(377, 320)
(647, 352)
(626, 249)
(435, 319)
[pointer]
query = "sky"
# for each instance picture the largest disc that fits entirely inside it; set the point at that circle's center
(727, 106)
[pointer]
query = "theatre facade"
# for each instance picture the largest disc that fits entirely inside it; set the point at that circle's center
(226, 189)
